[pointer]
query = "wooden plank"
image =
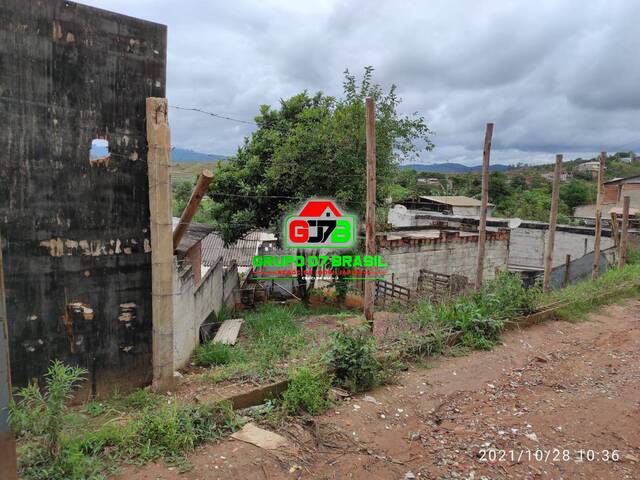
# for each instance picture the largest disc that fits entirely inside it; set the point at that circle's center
(482, 228)
(228, 331)
(553, 219)
(190, 210)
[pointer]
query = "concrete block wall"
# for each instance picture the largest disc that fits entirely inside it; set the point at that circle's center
(528, 246)
(449, 254)
(195, 301)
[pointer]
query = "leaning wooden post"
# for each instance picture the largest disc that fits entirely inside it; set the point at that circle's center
(8, 458)
(482, 228)
(595, 270)
(615, 230)
(159, 164)
(624, 236)
(553, 219)
(192, 206)
(370, 221)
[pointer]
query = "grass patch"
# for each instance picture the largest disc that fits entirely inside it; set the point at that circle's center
(589, 295)
(270, 335)
(478, 317)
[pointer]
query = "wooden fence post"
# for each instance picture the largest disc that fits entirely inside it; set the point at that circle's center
(567, 271)
(482, 227)
(624, 237)
(159, 164)
(595, 270)
(370, 240)
(553, 219)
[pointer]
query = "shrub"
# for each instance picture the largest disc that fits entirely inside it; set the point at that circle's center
(351, 357)
(307, 392)
(43, 414)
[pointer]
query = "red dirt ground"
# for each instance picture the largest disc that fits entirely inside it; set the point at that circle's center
(564, 386)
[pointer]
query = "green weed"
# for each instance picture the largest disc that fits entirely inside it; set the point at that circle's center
(307, 392)
(351, 358)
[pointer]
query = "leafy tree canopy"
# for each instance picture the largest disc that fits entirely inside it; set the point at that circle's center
(313, 146)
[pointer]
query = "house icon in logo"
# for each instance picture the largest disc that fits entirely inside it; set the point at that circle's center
(320, 208)
(320, 224)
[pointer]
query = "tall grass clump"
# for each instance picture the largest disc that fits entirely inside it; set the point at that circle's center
(583, 297)
(478, 317)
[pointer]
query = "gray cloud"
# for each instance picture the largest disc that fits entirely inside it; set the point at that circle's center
(554, 76)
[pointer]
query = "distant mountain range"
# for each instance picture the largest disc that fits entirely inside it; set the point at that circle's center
(452, 168)
(178, 155)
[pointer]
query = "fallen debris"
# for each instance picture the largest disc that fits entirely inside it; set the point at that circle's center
(259, 437)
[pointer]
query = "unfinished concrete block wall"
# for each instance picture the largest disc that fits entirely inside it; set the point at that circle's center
(195, 301)
(528, 244)
(75, 229)
(449, 254)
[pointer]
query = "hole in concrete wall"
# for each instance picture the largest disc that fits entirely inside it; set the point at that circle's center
(99, 153)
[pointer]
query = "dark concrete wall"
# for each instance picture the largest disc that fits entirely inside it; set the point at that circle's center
(76, 233)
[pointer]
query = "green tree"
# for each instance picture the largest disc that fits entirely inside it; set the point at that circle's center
(313, 146)
(577, 192)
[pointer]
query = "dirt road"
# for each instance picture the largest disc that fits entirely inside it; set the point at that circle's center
(555, 401)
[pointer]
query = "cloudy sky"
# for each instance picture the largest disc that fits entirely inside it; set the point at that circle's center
(554, 76)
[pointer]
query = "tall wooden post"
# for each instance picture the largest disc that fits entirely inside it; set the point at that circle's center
(553, 219)
(482, 228)
(370, 240)
(159, 165)
(624, 236)
(192, 206)
(595, 270)
(8, 459)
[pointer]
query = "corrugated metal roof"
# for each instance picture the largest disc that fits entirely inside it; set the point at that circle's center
(454, 200)
(241, 252)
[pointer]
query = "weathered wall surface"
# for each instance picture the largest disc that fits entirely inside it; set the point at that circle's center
(450, 253)
(528, 245)
(76, 233)
(195, 301)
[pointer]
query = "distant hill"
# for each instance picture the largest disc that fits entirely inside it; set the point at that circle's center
(178, 155)
(181, 155)
(452, 168)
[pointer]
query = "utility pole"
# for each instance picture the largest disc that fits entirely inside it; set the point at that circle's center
(370, 221)
(482, 228)
(159, 164)
(8, 457)
(624, 237)
(595, 270)
(553, 219)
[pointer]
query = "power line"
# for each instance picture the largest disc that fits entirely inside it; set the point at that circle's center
(211, 114)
